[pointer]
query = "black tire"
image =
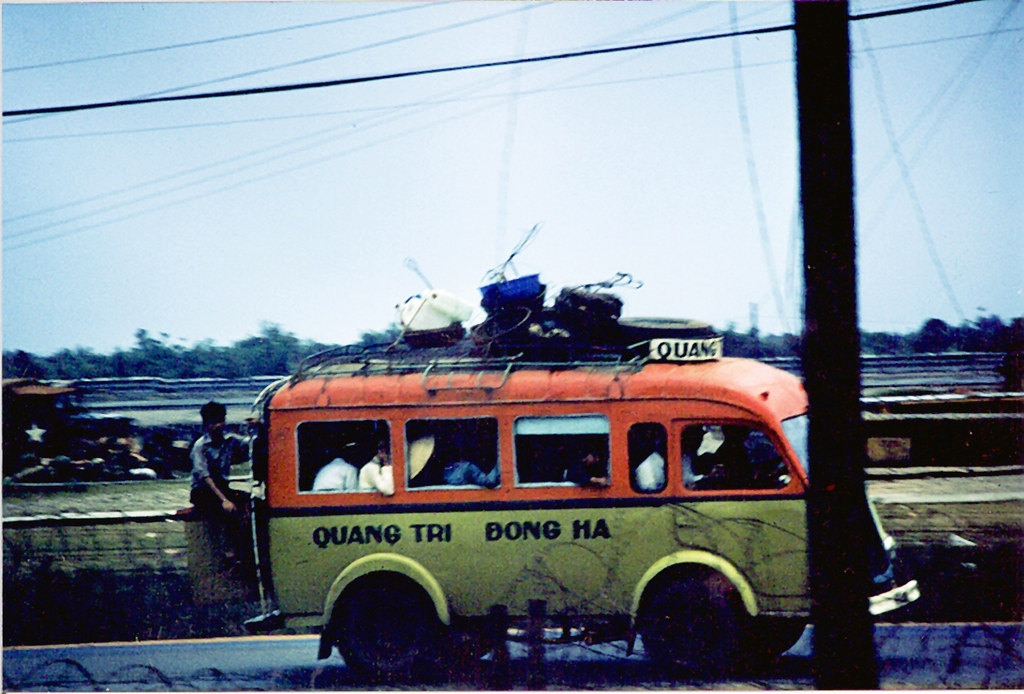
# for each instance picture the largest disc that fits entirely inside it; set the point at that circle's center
(769, 637)
(388, 629)
(691, 625)
(634, 330)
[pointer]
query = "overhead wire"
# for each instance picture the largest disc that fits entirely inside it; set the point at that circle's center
(908, 183)
(946, 95)
(305, 147)
(321, 84)
(703, 71)
(203, 167)
(508, 146)
(313, 141)
(420, 103)
(755, 185)
(937, 106)
(215, 40)
(516, 9)
(517, 94)
(570, 54)
(253, 179)
(317, 144)
(909, 9)
(134, 187)
(159, 95)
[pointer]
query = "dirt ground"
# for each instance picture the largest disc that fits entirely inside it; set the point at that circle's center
(95, 498)
(985, 504)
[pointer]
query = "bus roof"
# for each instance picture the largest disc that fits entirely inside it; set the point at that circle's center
(745, 383)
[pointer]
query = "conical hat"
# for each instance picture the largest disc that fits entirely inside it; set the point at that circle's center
(420, 451)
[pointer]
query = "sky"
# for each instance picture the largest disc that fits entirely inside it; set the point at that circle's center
(321, 210)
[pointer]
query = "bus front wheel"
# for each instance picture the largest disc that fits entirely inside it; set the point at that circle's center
(769, 637)
(690, 623)
(389, 629)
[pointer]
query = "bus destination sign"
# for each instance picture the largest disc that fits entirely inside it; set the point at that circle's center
(678, 349)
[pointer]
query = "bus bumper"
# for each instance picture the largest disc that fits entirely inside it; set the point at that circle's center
(894, 599)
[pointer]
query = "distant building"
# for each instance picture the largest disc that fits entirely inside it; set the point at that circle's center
(37, 421)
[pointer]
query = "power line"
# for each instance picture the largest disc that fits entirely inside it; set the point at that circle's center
(110, 208)
(325, 138)
(348, 51)
(230, 186)
(206, 42)
(908, 183)
(909, 10)
(242, 121)
(457, 68)
(755, 185)
(31, 232)
(420, 104)
(298, 86)
(306, 61)
(200, 124)
(959, 37)
(935, 109)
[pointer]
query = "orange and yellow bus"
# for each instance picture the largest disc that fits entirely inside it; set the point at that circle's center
(402, 497)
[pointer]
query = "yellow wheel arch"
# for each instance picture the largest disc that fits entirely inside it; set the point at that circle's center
(394, 563)
(693, 558)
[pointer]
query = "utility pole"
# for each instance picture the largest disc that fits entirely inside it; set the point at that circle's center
(844, 654)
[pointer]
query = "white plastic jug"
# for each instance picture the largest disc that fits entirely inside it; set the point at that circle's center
(437, 309)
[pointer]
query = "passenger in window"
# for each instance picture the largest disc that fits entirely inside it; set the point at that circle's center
(647, 444)
(730, 463)
(339, 475)
(736, 457)
(464, 472)
(417, 458)
(377, 473)
(768, 468)
(695, 466)
(590, 471)
(650, 474)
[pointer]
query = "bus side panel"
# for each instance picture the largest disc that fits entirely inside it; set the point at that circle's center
(581, 560)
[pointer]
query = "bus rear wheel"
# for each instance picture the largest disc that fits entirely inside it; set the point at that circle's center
(691, 625)
(389, 629)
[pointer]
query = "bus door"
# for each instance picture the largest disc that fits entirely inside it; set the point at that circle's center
(742, 501)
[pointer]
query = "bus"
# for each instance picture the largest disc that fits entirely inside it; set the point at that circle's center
(654, 494)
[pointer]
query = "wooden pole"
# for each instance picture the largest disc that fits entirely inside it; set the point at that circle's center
(844, 655)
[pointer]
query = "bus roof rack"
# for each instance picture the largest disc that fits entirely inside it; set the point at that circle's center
(581, 327)
(466, 355)
(634, 343)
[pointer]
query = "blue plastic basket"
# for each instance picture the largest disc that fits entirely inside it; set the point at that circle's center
(521, 288)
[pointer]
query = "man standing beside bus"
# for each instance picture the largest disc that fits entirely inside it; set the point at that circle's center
(212, 456)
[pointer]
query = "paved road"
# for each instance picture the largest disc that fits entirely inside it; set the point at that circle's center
(975, 656)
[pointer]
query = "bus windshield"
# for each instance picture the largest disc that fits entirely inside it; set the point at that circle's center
(795, 429)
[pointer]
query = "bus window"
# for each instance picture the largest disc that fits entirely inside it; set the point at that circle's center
(647, 453)
(453, 452)
(557, 450)
(332, 455)
(731, 456)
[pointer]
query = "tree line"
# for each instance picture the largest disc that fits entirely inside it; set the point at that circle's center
(272, 352)
(985, 334)
(277, 352)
